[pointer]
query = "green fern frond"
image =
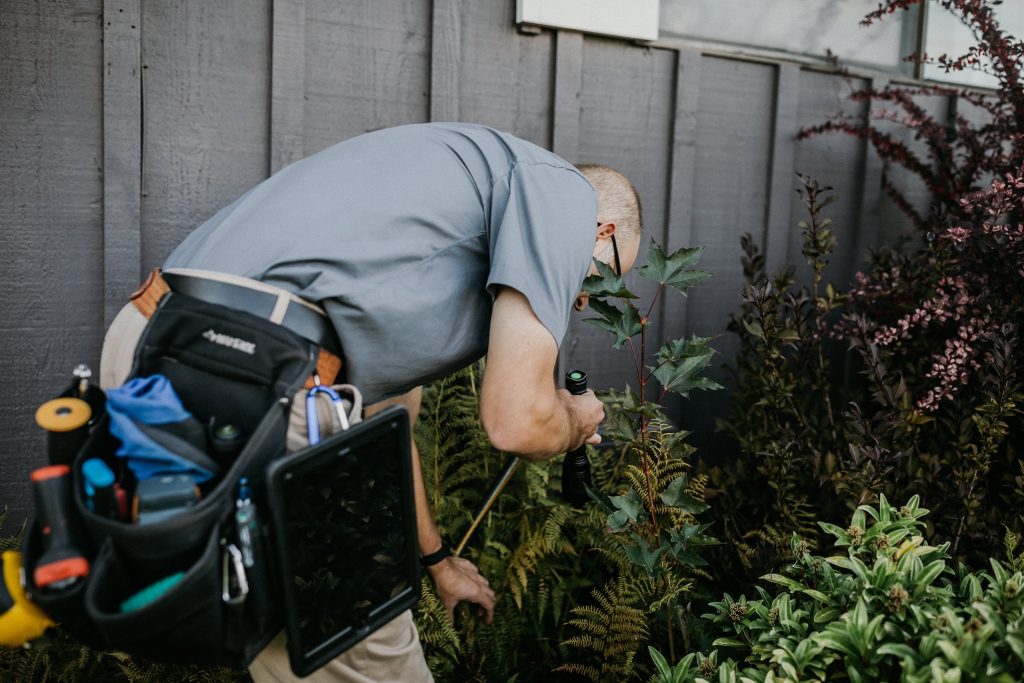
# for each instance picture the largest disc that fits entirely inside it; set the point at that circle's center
(612, 630)
(436, 631)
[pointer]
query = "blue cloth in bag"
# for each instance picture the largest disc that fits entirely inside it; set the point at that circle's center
(158, 435)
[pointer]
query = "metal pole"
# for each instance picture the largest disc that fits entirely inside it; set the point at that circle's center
(506, 476)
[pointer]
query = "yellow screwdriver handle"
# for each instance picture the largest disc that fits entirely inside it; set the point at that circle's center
(23, 620)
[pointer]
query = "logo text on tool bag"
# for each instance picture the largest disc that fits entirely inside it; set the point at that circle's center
(230, 342)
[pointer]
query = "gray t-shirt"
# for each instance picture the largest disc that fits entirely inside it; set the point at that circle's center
(403, 235)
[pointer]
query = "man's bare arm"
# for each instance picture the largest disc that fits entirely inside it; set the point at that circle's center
(521, 409)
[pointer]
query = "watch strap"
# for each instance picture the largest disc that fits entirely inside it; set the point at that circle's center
(436, 556)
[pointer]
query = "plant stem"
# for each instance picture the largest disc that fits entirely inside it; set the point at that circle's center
(644, 458)
(671, 636)
(654, 300)
(632, 352)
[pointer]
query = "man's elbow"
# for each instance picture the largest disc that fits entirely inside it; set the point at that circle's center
(504, 434)
(514, 435)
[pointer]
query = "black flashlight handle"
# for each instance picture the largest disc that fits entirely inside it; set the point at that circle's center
(576, 466)
(62, 562)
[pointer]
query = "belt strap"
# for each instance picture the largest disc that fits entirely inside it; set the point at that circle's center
(328, 364)
(300, 319)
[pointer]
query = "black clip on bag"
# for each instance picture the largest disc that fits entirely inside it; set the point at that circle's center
(208, 607)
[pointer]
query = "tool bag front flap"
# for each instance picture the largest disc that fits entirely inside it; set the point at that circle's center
(235, 368)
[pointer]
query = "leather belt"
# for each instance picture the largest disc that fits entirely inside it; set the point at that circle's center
(300, 318)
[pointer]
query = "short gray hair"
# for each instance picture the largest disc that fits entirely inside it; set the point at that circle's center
(617, 199)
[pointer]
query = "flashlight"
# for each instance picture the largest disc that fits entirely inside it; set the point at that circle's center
(576, 466)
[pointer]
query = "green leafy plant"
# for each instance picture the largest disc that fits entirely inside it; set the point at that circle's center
(821, 429)
(654, 538)
(782, 417)
(886, 607)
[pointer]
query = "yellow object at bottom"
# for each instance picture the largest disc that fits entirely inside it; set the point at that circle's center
(22, 621)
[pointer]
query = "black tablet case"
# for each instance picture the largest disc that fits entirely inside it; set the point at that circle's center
(343, 515)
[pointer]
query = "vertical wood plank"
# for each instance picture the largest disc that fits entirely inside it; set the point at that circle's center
(122, 162)
(51, 220)
(287, 83)
(206, 109)
(870, 228)
(836, 161)
(368, 66)
(506, 79)
(565, 127)
(734, 140)
(778, 218)
(679, 225)
(445, 59)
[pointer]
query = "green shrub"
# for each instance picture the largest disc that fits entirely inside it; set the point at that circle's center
(886, 607)
(821, 429)
(654, 538)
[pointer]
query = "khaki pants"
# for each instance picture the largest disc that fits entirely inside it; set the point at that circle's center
(392, 654)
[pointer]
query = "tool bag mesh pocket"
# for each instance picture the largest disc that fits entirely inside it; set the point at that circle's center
(198, 604)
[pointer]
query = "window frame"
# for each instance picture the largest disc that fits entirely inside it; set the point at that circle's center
(913, 40)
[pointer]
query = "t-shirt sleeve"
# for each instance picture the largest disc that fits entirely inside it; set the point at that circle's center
(542, 242)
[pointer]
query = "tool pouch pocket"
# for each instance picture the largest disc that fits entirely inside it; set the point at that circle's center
(177, 589)
(186, 617)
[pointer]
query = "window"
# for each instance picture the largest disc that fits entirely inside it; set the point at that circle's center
(798, 27)
(622, 18)
(809, 28)
(944, 34)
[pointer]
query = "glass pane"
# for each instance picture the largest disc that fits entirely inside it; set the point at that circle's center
(805, 27)
(947, 35)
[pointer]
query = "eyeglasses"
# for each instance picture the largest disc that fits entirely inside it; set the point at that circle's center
(615, 252)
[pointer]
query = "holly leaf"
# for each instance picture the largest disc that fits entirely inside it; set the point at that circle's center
(643, 554)
(602, 499)
(676, 496)
(681, 542)
(606, 283)
(622, 323)
(674, 269)
(629, 503)
(620, 426)
(617, 521)
(628, 401)
(628, 509)
(681, 361)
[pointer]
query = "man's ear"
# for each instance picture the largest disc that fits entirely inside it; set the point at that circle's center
(581, 301)
(606, 230)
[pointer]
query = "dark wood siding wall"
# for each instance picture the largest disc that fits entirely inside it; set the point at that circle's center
(126, 123)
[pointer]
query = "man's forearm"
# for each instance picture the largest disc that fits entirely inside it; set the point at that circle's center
(426, 529)
(548, 427)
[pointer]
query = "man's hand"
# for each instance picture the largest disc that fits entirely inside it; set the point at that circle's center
(457, 579)
(586, 411)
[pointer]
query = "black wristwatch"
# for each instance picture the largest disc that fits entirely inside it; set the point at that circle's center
(436, 556)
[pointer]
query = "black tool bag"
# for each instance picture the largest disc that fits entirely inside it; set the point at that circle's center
(204, 617)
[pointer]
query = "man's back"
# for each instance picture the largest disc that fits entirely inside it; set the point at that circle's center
(401, 233)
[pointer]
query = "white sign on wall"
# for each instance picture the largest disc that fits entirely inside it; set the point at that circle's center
(636, 19)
